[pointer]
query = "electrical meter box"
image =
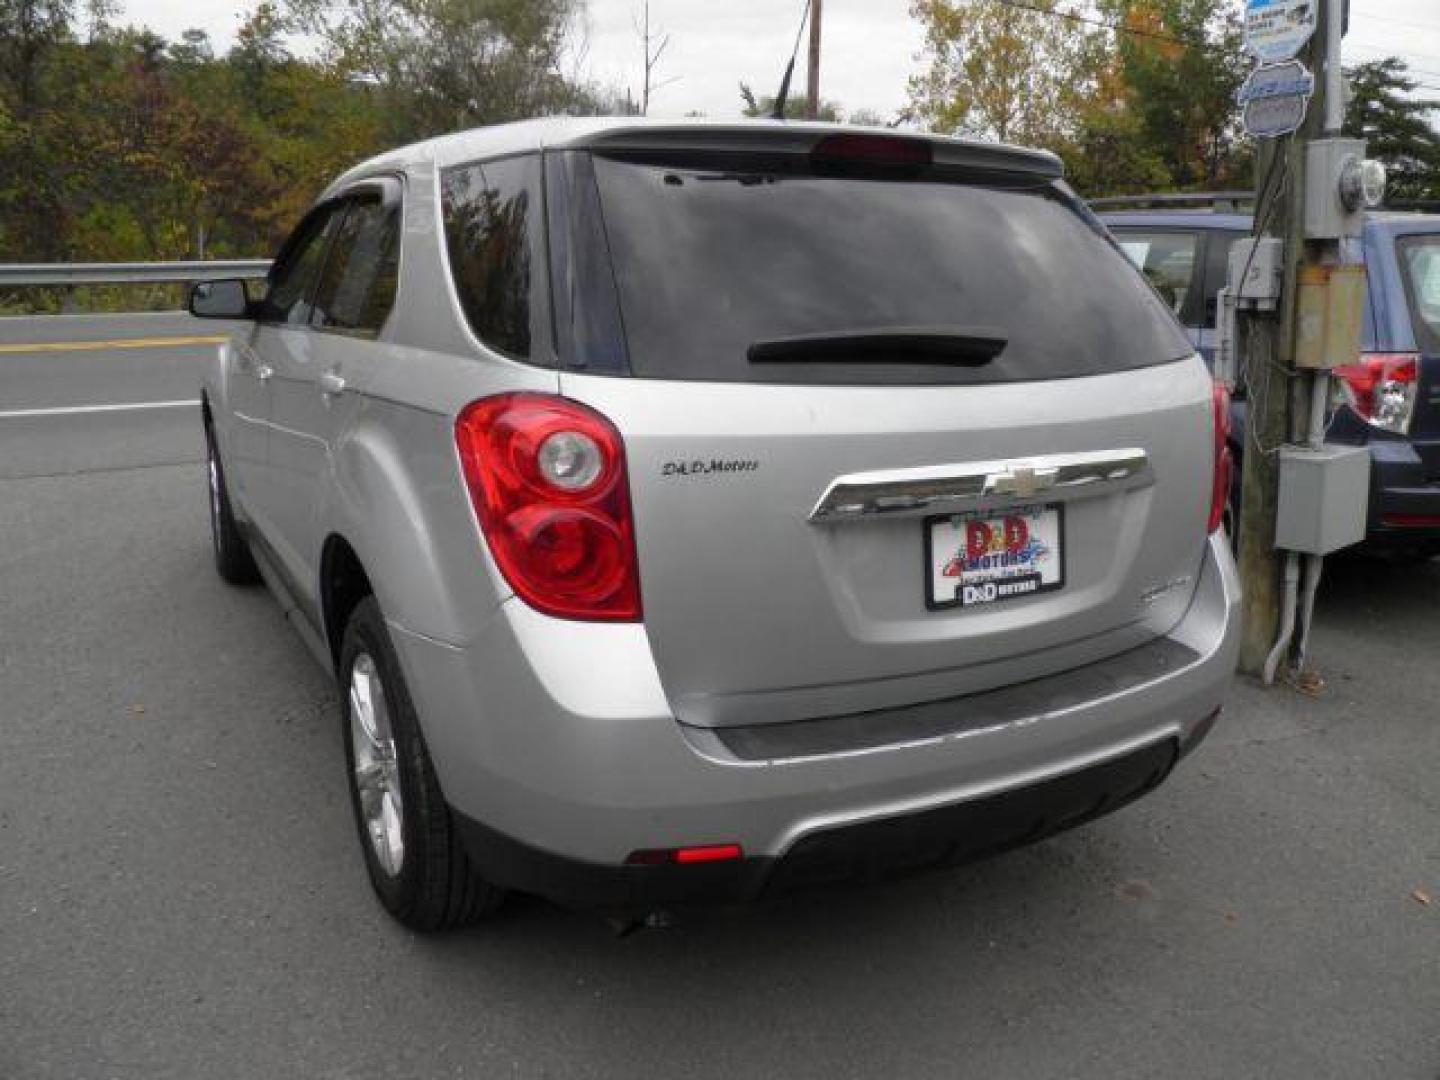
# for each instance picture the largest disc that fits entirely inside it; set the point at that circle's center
(1326, 216)
(1324, 495)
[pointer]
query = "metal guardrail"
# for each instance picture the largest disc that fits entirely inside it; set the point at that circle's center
(1218, 201)
(140, 273)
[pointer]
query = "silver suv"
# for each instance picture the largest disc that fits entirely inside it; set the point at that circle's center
(700, 511)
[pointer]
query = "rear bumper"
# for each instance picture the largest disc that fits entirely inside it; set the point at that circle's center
(889, 847)
(559, 762)
(1404, 496)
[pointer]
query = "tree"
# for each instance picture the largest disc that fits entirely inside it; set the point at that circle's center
(1183, 62)
(1396, 127)
(795, 106)
(1131, 94)
(444, 65)
(653, 44)
(1000, 71)
(32, 32)
(866, 118)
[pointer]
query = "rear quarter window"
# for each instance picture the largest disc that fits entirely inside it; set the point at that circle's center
(711, 258)
(493, 236)
(1420, 264)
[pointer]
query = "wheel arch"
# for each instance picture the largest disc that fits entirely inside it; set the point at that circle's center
(403, 513)
(344, 583)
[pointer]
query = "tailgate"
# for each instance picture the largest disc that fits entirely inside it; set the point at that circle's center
(760, 610)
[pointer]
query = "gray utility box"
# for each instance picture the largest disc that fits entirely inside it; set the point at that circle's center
(1324, 495)
(1326, 217)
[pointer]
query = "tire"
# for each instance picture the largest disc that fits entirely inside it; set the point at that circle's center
(413, 853)
(233, 560)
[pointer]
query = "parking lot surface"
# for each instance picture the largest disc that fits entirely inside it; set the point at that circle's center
(181, 893)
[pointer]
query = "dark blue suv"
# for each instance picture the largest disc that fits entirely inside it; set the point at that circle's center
(1389, 399)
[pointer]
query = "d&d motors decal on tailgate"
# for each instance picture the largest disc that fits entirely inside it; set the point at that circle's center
(705, 467)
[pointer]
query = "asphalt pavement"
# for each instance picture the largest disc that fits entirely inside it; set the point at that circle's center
(182, 894)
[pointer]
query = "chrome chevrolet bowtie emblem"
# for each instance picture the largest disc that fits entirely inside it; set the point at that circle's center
(1021, 481)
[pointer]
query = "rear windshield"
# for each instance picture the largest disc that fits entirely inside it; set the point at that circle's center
(1420, 256)
(720, 269)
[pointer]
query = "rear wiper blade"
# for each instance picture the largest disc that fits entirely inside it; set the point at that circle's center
(969, 346)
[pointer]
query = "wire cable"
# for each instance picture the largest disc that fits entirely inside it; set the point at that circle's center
(1257, 392)
(1075, 16)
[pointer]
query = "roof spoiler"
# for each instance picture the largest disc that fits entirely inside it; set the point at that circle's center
(792, 138)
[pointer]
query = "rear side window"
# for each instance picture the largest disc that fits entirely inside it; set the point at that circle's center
(1420, 261)
(1168, 260)
(357, 287)
(761, 271)
(493, 230)
(1217, 271)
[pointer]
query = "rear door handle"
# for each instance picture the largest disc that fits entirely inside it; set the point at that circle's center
(331, 383)
(263, 372)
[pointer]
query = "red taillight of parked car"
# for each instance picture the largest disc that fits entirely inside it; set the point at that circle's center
(1381, 389)
(547, 477)
(1224, 462)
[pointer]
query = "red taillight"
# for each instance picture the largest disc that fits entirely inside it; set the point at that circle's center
(1381, 389)
(547, 478)
(707, 853)
(1224, 462)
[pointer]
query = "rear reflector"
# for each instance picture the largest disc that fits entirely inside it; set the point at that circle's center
(1411, 521)
(707, 853)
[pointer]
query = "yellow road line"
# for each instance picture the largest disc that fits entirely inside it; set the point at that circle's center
(124, 343)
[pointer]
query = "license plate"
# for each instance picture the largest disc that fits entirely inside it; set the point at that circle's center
(974, 560)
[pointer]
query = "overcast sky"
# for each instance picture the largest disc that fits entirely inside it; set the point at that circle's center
(870, 45)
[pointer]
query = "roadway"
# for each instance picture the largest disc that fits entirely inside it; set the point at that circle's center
(81, 392)
(181, 892)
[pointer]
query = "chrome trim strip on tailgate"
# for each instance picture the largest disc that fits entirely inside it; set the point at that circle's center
(957, 488)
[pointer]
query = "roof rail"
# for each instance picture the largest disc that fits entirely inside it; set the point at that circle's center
(1221, 202)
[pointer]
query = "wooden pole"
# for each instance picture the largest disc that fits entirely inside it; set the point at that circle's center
(1268, 341)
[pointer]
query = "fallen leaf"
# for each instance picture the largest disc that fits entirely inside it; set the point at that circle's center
(1420, 896)
(137, 709)
(1308, 682)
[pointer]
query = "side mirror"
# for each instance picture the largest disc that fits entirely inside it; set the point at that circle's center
(225, 299)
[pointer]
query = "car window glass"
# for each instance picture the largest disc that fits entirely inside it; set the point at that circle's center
(287, 298)
(723, 262)
(1420, 256)
(492, 213)
(1217, 271)
(1168, 260)
(357, 286)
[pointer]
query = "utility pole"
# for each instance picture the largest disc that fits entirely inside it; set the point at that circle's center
(1287, 358)
(1267, 343)
(812, 105)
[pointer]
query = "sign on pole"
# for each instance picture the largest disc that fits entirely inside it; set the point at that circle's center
(1274, 99)
(1277, 30)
